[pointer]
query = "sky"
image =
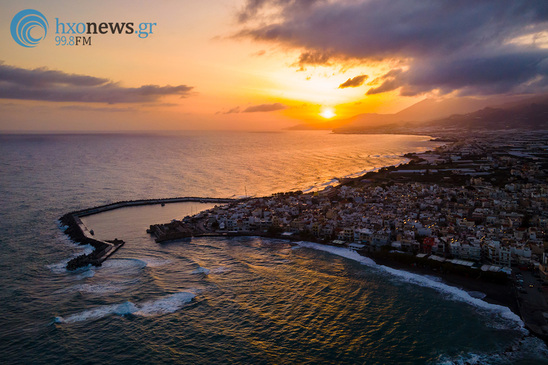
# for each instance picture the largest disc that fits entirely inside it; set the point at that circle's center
(257, 64)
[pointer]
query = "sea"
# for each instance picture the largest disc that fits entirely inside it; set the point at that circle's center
(241, 300)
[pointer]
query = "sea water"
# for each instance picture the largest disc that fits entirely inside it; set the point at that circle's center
(215, 300)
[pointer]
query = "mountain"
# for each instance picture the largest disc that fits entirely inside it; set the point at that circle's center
(525, 113)
(531, 116)
(425, 110)
(428, 109)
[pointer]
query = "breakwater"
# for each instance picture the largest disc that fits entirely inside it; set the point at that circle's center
(103, 249)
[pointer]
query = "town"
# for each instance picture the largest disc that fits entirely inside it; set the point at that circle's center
(482, 200)
(475, 207)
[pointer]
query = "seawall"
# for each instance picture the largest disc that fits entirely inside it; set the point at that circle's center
(79, 233)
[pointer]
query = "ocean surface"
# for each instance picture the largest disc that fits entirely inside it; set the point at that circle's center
(212, 300)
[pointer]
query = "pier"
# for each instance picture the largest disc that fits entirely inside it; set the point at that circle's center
(103, 249)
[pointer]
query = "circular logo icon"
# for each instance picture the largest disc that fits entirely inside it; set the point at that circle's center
(29, 27)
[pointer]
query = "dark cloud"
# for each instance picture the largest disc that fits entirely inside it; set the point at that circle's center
(312, 59)
(42, 77)
(486, 74)
(354, 82)
(253, 8)
(51, 85)
(442, 43)
(264, 108)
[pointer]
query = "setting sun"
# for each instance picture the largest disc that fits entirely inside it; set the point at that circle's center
(327, 113)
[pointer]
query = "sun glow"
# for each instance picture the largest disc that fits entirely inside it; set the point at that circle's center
(327, 113)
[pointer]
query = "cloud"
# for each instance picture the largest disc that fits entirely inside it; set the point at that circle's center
(312, 59)
(254, 7)
(256, 108)
(233, 110)
(51, 85)
(354, 82)
(86, 108)
(466, 46)
(264, 108)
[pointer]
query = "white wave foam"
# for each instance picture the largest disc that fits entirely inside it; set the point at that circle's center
(477, 294)
(58, 267)
(100, 312)
(201, 270)
(528, 350)
(123, 266)
(61, 266)
(339, 251)
(168, 304)
(96, 288)
(469, 359)
(453, 292)
(88, 272)
(78, 274)
(155, 262)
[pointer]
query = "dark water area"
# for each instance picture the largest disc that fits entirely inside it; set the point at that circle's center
(214, 300)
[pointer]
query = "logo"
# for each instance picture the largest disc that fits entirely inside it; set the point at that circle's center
(29, 27)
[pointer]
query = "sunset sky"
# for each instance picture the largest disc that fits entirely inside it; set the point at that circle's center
(229, 64)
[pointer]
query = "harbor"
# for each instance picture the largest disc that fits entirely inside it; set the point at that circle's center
(105, 248)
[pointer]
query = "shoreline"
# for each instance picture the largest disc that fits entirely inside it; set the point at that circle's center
(96, 257)
(498, 294)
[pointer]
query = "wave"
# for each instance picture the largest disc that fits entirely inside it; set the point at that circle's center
(425, 281)
(201, 270)
(92, 289)
(165, 305)
(155, 262)
(60, 267)
(168, 304)
(119, 266)
(100, 312)
(123, 266)
(528, 350)
(339, 251)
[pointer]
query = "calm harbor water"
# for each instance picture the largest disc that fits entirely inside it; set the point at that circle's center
(240, 300)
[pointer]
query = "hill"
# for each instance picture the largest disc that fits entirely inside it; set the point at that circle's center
(530, 114)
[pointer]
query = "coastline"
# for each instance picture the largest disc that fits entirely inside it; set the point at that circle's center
(74, 231)
(498, 294)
